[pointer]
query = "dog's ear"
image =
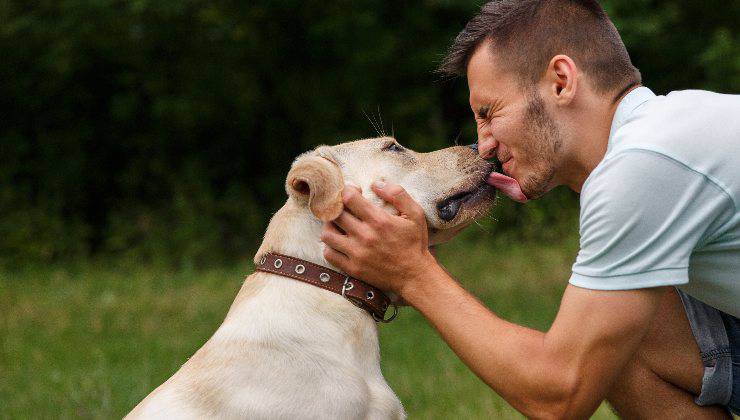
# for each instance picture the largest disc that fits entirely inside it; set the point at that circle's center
(317, 181)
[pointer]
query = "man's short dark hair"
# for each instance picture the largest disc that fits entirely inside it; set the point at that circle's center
(526, 34)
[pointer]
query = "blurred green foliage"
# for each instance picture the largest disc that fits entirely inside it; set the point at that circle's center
(143, 128)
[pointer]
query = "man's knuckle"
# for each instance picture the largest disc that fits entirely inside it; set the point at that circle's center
(365, 241)
(380, 223)
(363, 236)
(371, 221)
(371, 239)
(349, 195)
(397, 191)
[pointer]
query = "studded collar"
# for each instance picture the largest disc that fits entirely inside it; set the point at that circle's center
(359, 293)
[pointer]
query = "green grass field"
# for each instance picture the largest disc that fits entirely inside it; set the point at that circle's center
(91, 340)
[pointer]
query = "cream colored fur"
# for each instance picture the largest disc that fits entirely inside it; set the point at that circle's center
(288, 350)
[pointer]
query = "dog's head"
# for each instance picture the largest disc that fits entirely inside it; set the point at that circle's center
(449, 183)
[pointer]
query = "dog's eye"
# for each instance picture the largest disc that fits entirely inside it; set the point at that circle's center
(394, 147)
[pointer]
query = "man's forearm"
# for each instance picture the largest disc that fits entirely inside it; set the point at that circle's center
(511, 359)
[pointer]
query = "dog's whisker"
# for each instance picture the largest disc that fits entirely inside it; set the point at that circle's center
(481, 227)
(380, 120)
(457, 138)
(373, 124)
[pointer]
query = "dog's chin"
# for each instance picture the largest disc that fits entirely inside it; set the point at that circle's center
(459, 211)
(440, 236)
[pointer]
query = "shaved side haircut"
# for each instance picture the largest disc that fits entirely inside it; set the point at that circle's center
(527, 34)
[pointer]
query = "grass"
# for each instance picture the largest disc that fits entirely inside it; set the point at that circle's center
(91, 340)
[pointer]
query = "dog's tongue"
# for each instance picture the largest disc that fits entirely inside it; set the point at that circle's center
(507, 185)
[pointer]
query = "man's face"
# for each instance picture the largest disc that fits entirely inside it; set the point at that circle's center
(513, 124)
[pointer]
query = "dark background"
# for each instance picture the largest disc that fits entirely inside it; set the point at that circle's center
(144, 145)
(163, 130)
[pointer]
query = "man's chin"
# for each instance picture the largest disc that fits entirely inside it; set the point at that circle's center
(535, 194)
(535, 187)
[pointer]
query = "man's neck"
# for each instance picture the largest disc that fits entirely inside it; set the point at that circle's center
(591, 135)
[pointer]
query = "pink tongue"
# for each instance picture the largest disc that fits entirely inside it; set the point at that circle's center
(507, 185)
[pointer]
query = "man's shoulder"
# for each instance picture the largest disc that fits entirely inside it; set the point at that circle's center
(678, 116)
(694, 129)
(642, 181)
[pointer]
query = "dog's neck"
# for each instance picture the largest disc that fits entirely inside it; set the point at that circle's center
(277, 324)
(294, 231)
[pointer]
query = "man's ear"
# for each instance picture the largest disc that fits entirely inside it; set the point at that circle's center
(317, 182)
(562, 74)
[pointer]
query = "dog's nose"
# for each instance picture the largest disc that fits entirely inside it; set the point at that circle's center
(474, 146)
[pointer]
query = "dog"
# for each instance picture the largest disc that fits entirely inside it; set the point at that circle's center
(290, 350)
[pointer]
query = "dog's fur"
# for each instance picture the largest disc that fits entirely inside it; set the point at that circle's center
(291, 350)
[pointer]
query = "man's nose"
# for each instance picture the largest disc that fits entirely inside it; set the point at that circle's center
(486, 149)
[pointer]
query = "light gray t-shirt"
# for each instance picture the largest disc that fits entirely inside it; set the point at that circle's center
(661, 208)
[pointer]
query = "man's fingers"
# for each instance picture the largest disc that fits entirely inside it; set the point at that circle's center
(337, 259)
(400, 199)
(348, 223)
(357, 204)
(333, 238)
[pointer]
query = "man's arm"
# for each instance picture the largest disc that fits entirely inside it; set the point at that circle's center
(565, 372)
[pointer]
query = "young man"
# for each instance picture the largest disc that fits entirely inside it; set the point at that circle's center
(649, 320)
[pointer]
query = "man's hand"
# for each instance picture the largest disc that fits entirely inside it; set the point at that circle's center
(388, 251)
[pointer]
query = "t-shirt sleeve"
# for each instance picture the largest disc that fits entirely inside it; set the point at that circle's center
(642, 215)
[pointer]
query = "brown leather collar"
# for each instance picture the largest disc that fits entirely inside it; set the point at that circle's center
(361, 294)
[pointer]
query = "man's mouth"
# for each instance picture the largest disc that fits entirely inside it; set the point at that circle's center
(506, 165)
(503, 159)
(506, 184)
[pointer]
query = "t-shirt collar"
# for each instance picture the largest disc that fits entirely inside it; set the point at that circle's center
(629, 103)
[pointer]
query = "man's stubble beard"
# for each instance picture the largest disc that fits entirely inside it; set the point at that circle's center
(541, 147)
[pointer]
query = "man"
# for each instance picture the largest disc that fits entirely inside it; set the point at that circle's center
(649, 319)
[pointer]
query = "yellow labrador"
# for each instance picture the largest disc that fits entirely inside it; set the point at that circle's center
(289, 350)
